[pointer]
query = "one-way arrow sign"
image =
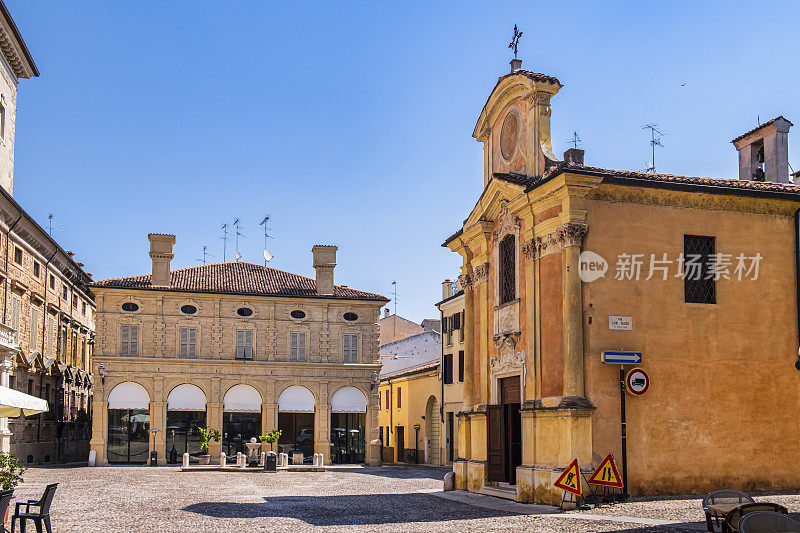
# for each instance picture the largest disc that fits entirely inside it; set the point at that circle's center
(621, 358)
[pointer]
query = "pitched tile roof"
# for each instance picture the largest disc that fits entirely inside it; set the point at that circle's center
(535, 76)
(764, 125)
(239, 278)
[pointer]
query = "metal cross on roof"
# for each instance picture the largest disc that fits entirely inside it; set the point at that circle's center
(515, 41)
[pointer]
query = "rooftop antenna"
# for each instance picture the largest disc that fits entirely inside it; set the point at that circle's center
(205, 253)
(655, 140)
(394, 294)
(575, 140)
(224, 241)
(238, 233)
(50, 224)
(267, 255)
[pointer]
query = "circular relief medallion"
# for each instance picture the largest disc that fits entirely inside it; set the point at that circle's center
(508, 135)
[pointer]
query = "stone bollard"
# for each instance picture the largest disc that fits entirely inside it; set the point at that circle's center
(284, 459)
(92, 457)
(222, 459)
(239, 459)
(185, 460)
(449, 481)
(263, 458)
(318, 459)
(297, 458)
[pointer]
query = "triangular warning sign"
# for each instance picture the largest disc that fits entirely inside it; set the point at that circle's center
(570, 479)
(607, 474)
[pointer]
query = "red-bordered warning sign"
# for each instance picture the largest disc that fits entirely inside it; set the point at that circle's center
(637, 381)
(570, 479)
(607, 474)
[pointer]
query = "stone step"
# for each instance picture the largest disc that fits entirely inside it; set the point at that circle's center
(502, 490)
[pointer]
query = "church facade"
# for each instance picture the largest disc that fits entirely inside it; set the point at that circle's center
(562, 262)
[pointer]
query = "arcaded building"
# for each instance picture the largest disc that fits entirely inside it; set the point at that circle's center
(238, 347)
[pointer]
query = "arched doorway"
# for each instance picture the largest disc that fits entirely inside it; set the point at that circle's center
(241, 418)
(432, 430)
(186, 414)
(128, 423)
(348, 418)
(296, 422)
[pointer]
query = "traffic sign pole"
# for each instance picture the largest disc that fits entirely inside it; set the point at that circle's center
(624, 431)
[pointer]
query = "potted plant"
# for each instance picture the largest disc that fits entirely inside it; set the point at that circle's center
(206, 436)
(271, 437)
(10, 475)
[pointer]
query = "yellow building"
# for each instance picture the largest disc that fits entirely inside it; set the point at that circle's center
(451, 308)
(563, 261)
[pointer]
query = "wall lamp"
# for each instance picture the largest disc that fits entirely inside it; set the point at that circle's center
(374, 380)
(102, 371)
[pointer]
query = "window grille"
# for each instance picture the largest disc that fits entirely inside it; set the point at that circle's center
(698, 275)
(508, 290)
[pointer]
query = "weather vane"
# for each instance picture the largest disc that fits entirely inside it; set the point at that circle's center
(515, 41)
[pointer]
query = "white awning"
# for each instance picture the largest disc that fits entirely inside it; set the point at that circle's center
(128, 395)
(296, 399)
(13, 403)
(242, 398)
(186, 397)
(348, 400)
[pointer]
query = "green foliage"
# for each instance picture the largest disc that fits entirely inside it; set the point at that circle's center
(10, 471)
(271, 437)
(206, 436)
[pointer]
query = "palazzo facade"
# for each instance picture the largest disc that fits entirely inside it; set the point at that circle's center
(563, 261)
(237, 347)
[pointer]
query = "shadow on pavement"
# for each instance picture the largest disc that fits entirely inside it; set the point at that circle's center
(397, 472)
(355, 509)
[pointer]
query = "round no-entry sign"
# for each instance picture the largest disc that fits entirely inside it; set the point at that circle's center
(637, 381)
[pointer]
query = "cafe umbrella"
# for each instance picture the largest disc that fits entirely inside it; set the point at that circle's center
(14, 403)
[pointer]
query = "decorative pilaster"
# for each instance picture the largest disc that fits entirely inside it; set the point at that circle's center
(481, 274)
(571, 236)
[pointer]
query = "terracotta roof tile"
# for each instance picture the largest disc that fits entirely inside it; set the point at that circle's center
(239, 278)
(764, 125)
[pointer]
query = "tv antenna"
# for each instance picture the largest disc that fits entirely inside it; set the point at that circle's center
(50, 224)
(575, 140)
(238, 234)
(224, 238)
(655, 140)
(267, 254)
(394, 294)
(205, 254)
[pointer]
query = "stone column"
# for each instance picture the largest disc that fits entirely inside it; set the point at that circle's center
(322, 431)
(214, 420)
(371, 440)
(571, 236)
(465, 282)
(99, 441)
(485, 323)
(158, 420)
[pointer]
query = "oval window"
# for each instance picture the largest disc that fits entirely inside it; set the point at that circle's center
(298, 314)
(130, 307)
(188, 309)
(244, 311)
(350, 317)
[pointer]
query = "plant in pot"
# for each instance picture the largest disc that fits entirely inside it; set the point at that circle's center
(271, 437)
(10, 475)
(206, 436)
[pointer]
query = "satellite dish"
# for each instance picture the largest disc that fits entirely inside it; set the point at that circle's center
(267, 256)
(238, 256)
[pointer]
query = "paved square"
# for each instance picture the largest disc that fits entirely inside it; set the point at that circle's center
(353, 498)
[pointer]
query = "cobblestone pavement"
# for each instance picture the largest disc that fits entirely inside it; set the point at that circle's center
(341, 499)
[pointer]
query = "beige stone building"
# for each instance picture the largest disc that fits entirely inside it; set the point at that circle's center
(45, 298)
(238, 347)
(452, 375)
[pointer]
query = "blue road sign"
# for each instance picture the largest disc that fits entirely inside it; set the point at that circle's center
(621, 358)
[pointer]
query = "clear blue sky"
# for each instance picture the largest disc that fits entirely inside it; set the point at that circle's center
(350, 123)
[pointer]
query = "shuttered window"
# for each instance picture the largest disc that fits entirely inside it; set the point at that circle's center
(188, 346)
(297, 350)
(244, 344)
(15, 307)
(350, 348)
(34, 328)
(129, 336)
(461, 366)
(50, 336)
(447, 372)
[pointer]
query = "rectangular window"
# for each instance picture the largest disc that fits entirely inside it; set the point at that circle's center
(75, 301)
(75, 348)
(18, 255)
(380, 433)
(12, 382)
(37, 269)
(129, 335)
(2, 121)
(297, 350)
(83, 308)
(16, 304)
(188, 346)
(66, 295)
(461, 330)
(388, 429)
(461, 366)
(50, 335)
(698, 270)
(447, 371)
(387, 406)
(448, 329)
(244, 344)
(30, 387)
(399, 398)
(350, 348)
(52, 282)
(34, 328)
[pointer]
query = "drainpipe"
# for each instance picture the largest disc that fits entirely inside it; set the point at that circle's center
(797, 275)
(5, 289)
(44, 341)
(441, 361)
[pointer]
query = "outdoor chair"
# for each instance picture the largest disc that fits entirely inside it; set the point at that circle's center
(5, 500)
(43, 516)
(718, 497)
(767, 522)
(731, 523)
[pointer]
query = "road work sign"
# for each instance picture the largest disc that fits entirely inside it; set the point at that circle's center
(570, 479)
(607, 474)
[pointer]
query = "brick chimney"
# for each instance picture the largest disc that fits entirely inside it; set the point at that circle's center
(324, 263)
(386, 313)
(574, 156)
(161, 254)
(764, 152)
(447, 289)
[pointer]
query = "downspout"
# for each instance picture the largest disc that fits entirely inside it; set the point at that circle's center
(5, 289)
(441, 361)
(44, 332)
(797, 276)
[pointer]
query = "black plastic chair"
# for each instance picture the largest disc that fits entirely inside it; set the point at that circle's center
(38, 518)
(732, 519)
(767, 522)
(722, 496)
(5, 500)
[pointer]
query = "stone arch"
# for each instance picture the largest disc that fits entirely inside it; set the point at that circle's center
(432, 429)
(349, 399)
(129, 395)
(186, 397)
(296, 398)
(242, 397)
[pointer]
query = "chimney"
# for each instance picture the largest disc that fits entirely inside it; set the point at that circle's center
(161, 254)
(764, 152)
(386, 312)
(574, 156)
(324, 263)
(447, 289)
(516, 65)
